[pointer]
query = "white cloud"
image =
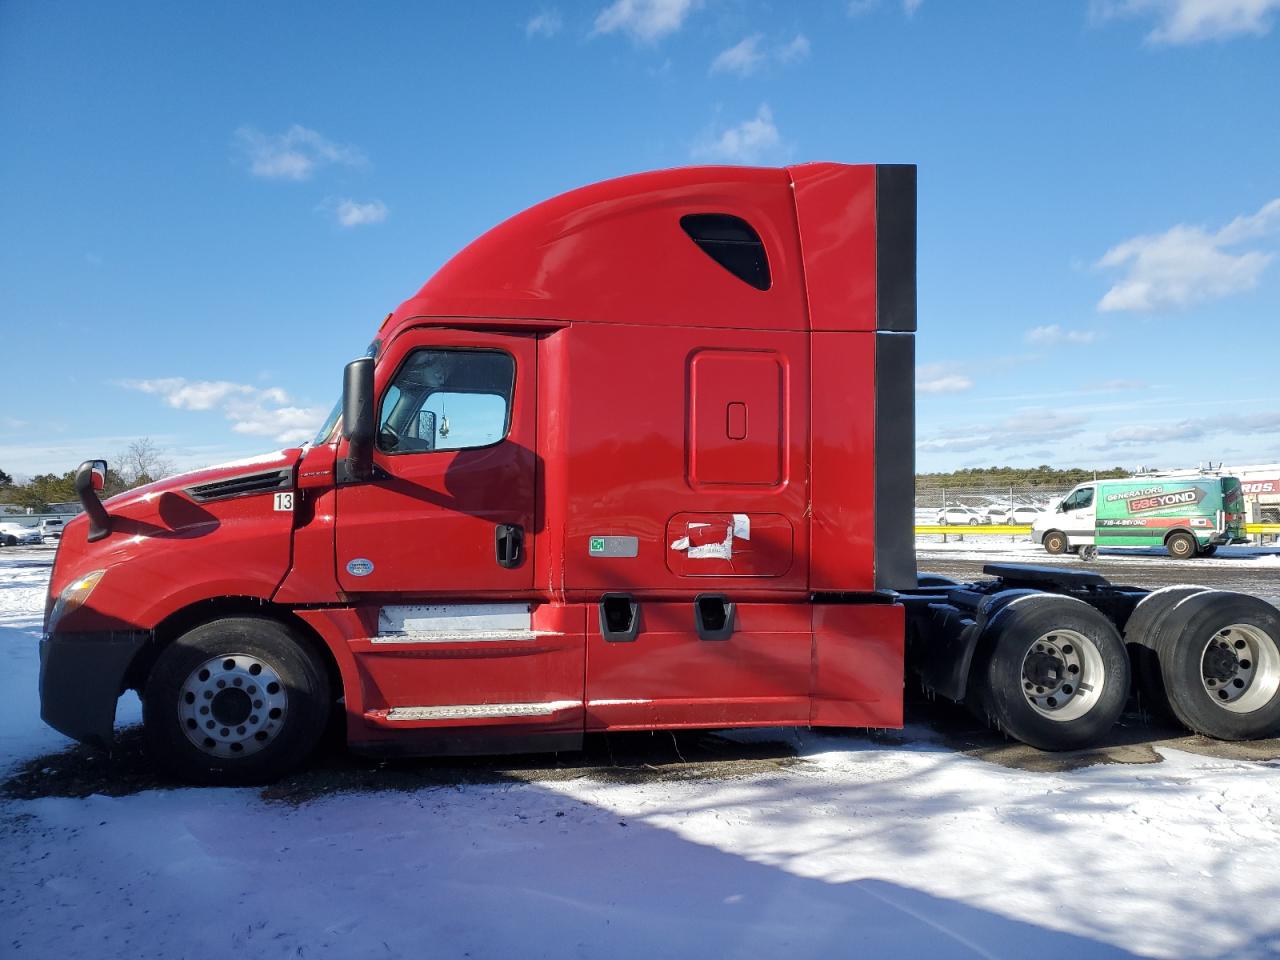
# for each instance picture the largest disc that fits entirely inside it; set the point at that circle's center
(1192, 21)
(1186, 264)
(747, 142)
(1117, 386)
(794, 51)
(1138, 434)
(182, 394)
(743, 58)
(1053, 335)
(857, 8)
(909, 7)
(353, 214)
(292, 155)
(545, 24)
(747, 56)
(644, 20)
(940, 378)
(259, 411)
(1193, 428)
(1028, 427)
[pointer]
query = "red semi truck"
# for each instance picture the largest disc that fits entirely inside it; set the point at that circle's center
(640, 457)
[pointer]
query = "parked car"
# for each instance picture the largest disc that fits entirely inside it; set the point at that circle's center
(50, 528)
(12, 534)
(1020, 514)
(961, 516)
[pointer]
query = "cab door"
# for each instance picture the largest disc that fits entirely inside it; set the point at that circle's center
(1079, 519)
(450, 509)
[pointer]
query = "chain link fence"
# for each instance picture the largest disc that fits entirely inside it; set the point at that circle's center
(986, 505)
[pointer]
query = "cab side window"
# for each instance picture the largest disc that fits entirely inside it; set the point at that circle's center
(447, 400)
(1078, 500)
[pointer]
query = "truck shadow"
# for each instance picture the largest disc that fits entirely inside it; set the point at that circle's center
(1133, 740)
(509, 870)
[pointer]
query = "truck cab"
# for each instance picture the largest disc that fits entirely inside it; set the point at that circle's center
(640, 457)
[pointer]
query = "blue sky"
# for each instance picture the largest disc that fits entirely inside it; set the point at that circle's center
(208, 208)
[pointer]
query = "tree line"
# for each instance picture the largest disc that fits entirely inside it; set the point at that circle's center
(143, 461)
(1041, 476)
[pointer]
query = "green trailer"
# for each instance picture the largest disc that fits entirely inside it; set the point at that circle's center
(1187, 516)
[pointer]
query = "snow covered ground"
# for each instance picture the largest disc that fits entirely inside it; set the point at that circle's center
(862, 847)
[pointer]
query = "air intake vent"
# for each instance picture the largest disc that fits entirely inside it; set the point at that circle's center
(242, 486)
(731, 242)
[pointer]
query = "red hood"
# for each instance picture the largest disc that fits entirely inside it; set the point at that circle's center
(263, 463)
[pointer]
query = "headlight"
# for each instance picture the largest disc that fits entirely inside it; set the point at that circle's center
(73, 596)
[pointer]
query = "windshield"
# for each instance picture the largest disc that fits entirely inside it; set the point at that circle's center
(331, 421)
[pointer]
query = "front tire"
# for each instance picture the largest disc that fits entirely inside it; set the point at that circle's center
(1181, 546)
(1056, 675)
(1055, 542)
(240, 700)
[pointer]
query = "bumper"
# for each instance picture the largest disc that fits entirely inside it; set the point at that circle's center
(81, 678)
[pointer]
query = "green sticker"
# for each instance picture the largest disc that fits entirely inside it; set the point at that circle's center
(610, 546)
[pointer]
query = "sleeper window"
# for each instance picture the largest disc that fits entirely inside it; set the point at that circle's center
(447, 400)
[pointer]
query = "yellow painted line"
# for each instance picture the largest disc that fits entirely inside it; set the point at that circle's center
(992, 528)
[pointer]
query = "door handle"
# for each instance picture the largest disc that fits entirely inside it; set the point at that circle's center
(509, 540)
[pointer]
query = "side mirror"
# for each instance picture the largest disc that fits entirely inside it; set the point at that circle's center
(358, 425)
(91, 476)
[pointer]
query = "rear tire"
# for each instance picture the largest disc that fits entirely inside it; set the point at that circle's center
(1055, 542)
(1181, 546)
(1056, 675)
(10, 541)
(1219, 658)
(1140, 633)
(241, 700)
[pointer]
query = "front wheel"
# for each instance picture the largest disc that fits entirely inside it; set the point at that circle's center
(1181, 546)
(235, 701)
(1056, 674)
(1055, 542)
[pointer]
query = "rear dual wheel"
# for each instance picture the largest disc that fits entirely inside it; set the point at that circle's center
(235, 701)
(1054, 674)
(1212, 659)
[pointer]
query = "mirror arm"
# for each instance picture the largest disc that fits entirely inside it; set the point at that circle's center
(99, 519)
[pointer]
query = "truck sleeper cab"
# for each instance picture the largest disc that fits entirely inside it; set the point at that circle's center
(639, 458)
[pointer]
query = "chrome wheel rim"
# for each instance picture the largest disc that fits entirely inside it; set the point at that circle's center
(1062, 675)
(1240, 668)
(232, 706)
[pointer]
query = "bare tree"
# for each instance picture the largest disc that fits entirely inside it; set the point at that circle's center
(142, 462)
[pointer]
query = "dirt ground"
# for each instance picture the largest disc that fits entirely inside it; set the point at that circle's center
(80, 771)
